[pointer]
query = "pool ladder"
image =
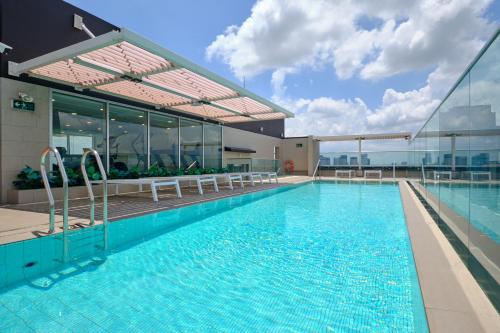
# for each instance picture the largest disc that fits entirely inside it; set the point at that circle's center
(65, 183)
(316, 170)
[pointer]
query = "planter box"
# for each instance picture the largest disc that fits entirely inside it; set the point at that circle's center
(75, 192)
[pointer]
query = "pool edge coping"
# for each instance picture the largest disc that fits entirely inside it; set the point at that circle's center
(453, 300)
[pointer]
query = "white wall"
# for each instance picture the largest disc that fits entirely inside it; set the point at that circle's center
(262, 144)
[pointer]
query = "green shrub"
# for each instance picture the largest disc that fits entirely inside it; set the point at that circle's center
(135, 172)
(93, 173)
(28, 179)
(117, 174)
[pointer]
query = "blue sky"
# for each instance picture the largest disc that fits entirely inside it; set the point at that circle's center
(342, 66)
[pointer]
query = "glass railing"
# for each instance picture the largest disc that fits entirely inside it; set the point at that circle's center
(373, 158)
(253, 165)
(459, 150)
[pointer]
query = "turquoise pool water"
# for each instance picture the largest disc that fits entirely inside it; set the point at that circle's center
(320, 257)
(477, 203)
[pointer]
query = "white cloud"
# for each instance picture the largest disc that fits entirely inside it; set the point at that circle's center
(433, 34)
(400, 111)
(286, 36)
(413, 35)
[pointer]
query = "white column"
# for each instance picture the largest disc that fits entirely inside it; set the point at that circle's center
(359, 153)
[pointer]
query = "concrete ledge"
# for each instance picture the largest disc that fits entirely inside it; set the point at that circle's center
(453, 300)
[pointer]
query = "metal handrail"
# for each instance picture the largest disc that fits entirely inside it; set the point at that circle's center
(86, 152)
(316, 169)
(423, 173)
(191, 165)
(46, 184)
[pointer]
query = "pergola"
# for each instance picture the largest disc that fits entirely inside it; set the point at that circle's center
(124, 64)
(362, 137)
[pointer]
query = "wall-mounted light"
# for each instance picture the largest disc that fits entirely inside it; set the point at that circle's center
(25, 97)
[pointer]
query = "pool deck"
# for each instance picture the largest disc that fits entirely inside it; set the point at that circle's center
(26, 221)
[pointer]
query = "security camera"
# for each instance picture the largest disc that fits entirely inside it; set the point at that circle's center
(5, 49)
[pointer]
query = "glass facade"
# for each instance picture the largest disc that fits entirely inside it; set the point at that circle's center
(127, 138)
(77, 125)
(458, 151)
(174, 142)
(212, 138)
(191, 143)
(164, 141)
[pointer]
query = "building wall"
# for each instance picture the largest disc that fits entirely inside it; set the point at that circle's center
(23, 134)
(262, 144)
(274, 127)
(291, 151)
(304, 157)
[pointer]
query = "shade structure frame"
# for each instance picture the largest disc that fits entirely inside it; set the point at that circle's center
(184, 85)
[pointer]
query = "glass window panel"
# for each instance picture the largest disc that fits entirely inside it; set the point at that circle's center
(164, 140)
(191, 143)
(213, 146)
(77, 123)
(127, 138)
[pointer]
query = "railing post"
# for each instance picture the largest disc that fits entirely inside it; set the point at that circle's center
(316, 169)
(46, 183)
(423, 173)
(86, 152)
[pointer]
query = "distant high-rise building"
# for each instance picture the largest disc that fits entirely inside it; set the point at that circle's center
(364, 159)
(447, 159)
(341, 160)
(353, 160)
(427, 160)
(460, 160)
(480, 159)
(324, 160)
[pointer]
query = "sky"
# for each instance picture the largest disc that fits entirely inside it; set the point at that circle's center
(343, 67)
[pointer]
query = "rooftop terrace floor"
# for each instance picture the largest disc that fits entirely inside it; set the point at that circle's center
(25, 221)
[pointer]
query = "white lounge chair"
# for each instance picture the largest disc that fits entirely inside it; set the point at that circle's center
(253, 176)
(229, 178)
(270, 176)
(480, 173)
(155, 184)
(377, 173)
(199, 179)
(340, 172)
(438, 174)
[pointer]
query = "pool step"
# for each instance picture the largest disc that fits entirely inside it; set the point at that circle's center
(85, 242)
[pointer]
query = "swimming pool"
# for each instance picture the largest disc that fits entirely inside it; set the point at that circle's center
(311, 258)
(477, 203)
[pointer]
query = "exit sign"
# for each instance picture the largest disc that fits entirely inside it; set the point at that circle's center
(22, 105)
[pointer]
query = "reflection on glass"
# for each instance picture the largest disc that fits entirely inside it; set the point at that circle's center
(164, 140)
(191, 143)
(484, 204)
(213, 146)
(462, 159)
(77, 123)
(127, 138)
